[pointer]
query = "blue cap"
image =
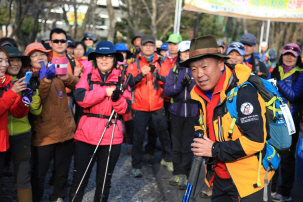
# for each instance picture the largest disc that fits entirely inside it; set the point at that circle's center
(122, 48)
(104, 48)
(236, 46)
(89, 35)
(248, 39)
(70, 42)
(164, 46)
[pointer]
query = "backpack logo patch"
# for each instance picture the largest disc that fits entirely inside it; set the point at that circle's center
(247, 108)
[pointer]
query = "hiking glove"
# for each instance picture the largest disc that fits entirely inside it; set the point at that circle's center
(116, 94)
(48, 73)
(186, 80)
(159, 77)
(27, 96)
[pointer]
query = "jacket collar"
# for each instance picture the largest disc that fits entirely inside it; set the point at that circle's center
(112, 77)
(143, 59)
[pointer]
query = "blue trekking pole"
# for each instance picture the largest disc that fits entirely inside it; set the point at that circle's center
(193, 176)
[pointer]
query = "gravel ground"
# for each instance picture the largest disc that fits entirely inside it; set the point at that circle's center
(124, 186)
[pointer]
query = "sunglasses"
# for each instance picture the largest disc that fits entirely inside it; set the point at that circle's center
(292, 48)
(106, 56)
(59, 40)
(237, 46)
(87, 39)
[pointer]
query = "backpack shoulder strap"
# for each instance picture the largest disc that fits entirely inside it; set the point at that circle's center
(231, 105)
(71, 61)
(175, 73)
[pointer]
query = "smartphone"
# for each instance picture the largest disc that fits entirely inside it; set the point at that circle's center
(27, 76)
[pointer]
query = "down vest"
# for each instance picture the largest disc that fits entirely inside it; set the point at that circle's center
(96, 101)
(9, 102)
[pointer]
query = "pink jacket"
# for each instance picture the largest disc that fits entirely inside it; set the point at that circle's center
(96, 101)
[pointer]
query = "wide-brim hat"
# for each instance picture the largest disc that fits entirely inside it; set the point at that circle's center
(14, 52)
(203, 46)
(35, 46)
(105, 48)
(121, 47)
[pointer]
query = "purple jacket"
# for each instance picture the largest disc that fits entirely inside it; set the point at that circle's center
(183, 105)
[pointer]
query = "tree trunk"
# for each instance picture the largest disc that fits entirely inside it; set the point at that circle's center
(228, 29)
(9, 17)
(154, 18)
(112, 23)
(66, 20)
(197, 25)
(20, 14)
(237, 30)
(47, 15)
(245, 26)
(82, 29)
(76, 20)
(33, 34)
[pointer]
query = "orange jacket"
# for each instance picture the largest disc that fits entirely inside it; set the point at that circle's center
(148, 92)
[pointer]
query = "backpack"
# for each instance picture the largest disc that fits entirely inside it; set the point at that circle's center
(280, 138)
(278, 131)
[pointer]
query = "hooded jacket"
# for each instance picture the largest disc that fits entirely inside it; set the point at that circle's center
(9, 102)
(147, 90)
(96, 101)
(182, 104)
(240, 152)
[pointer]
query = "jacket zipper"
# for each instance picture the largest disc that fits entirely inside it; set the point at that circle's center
(185, 110)
(149, 91)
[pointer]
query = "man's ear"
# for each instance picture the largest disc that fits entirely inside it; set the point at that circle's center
(221, 64)
(253, 47)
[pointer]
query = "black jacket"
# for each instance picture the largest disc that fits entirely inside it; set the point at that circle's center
(264, 73)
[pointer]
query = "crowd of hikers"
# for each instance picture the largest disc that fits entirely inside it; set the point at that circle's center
(84, 99)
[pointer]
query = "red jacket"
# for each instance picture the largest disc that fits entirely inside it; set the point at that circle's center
(96, 101)
(167, 65)
(9, 102)
(148, 93)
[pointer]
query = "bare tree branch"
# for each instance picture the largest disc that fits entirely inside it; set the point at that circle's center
(9, 16)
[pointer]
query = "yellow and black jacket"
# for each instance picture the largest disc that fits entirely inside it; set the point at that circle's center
(240, 151)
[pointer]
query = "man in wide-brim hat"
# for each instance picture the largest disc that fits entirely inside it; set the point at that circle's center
(237, 174)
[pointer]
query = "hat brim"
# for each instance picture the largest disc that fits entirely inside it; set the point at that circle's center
(186, 63)
(92, 55)
(247, 43)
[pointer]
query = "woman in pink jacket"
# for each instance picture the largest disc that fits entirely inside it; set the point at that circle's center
(98, 101)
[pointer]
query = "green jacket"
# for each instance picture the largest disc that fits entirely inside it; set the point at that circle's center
(18, 126)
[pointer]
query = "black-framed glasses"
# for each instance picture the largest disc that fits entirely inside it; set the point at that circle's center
(237, 46)
(87, 39)
(59, 41)
(109, 56)
(292, 48)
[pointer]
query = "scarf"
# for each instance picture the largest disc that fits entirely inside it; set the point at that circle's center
(287, 68)
(149, 59)
(122, 63)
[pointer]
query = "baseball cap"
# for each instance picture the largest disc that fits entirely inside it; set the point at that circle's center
(264, 43)
(248, 39)
(70, 42)
(292, 48)
(147, 38)
(35, 46)
(174, 38)
(164, 46)
(236, 46)
(184, 45)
